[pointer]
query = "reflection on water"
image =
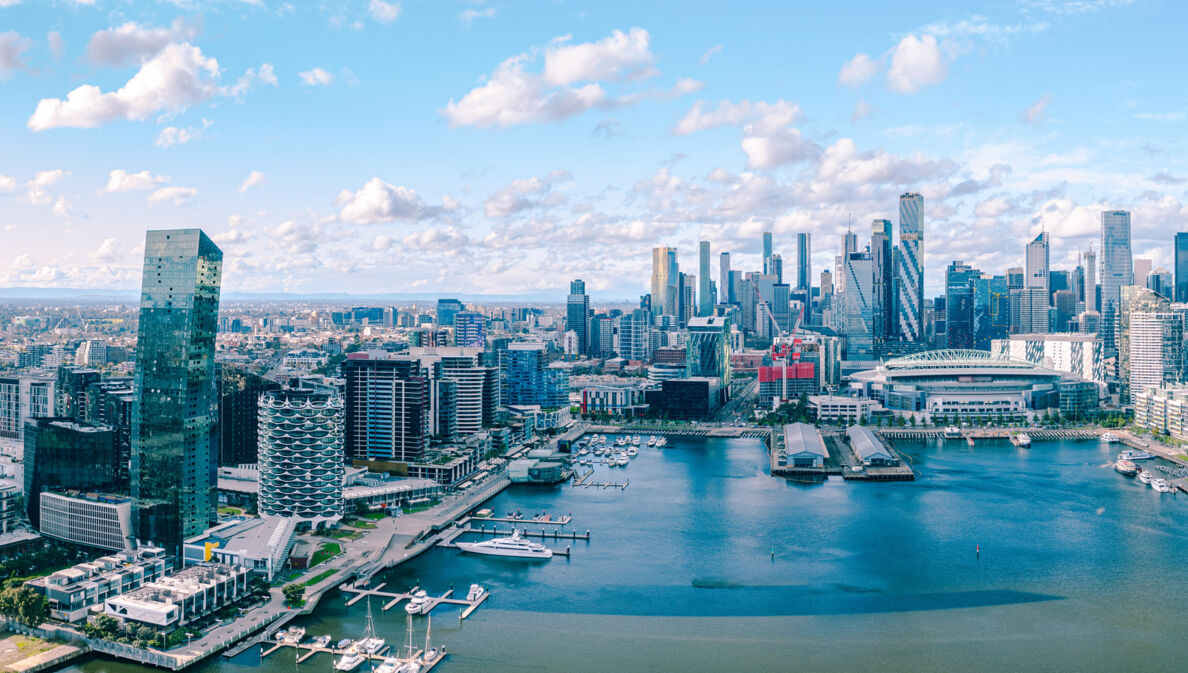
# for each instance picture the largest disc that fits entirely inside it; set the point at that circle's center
(707, 564)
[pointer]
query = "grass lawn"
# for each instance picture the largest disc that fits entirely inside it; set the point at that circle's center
(230, 511)
(344, 534)
(326, 551)
(366, 525)
(318, 578)
(374, 516)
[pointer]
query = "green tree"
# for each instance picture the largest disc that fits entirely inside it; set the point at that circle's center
(294, 595)
(24, 605)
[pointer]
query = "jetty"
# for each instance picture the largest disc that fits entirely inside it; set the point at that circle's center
(395, 598)
(306, 650)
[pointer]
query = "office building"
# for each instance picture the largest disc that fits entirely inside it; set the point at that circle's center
(174, 414)
(767, 252)
(90, 519)
(725, 286)
(239, 417)
(65, 454)
(1159, 281)
(909, 268)
(301, 456)
(470, 330)
(1089, 271)
(387, 408)
(1180, 266)
(664, 281)
(959, 304)
(1117, 271)
(577, 316)
(527, 379)
(859, 307)
(707, 352)
(804, 262)
(447, 309)
(883, 278)
(70, 400)
(1037, 270)
(705, 295)
(1029, 311)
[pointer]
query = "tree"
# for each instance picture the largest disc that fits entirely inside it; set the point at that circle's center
(24, 605)
(294, 594)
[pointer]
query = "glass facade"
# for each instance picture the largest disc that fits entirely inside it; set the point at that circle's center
(527, 378)
(1180, 271)
(62, 454)
(909, 267)
(174, 415)
(1117, 270)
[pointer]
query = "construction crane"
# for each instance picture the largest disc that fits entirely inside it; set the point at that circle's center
(781, 351)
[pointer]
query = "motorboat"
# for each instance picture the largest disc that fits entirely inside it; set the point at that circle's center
(294, 636)
(1162, 485)
(371, 645)
(1022, 439)
(514, 546)
(1136, 454)
(280, 636)
(621, 441)
(661, 442)
(321, 641)
(417, 603)
(343, 644)
(389, 665)
(1110, 438)
(951, 432)
(622, 460)
(349, 660)
(1126, 467)
(636, 440)
(476, 592)
(652, 440)
(632, 452)
(1145, 476)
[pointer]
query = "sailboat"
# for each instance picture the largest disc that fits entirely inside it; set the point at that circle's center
(412, 663)
(370, 643)
(430, 653)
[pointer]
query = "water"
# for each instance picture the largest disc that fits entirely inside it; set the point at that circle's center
(1080, 569)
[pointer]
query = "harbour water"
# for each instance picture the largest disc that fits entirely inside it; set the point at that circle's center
(706, 563)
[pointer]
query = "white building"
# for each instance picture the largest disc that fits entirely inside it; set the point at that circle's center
(261, 546)
(22, 398)
(868, 448)
(304, 359)
(1156, 350)
(841, 409)
(74, 591)
(91, 519)
(1072, 352)
(1163, 409)
(180, 598)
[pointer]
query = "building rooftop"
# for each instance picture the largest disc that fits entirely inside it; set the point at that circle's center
(803, 438)
(865, 443)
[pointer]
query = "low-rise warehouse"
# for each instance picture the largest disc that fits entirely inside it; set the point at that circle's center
(804, 446)
(868, 447)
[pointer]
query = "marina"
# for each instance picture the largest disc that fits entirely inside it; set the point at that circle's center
(394, 598)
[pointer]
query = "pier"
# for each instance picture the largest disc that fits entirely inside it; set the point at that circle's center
(306, 650)
(394, 598)
(448, 541)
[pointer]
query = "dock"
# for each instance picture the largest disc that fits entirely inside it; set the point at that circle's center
(306, 650)
(559, 521)
(603, 484)
(449, 541)
(394, 598)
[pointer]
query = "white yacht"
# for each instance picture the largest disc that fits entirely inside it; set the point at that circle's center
(622, 459)
(1022, 439)
(1137, 454)
(1145, 476)
(476, 592)
(322, 641)
(621, 441)
(632, 452)
(417, 604)
(389, 665)
(349, 660)
(370, 643)
(515, 546)
(652, 440)
(1162, 485)
(636, 440)
(661, 442)
(294, 636)
(1109, 437)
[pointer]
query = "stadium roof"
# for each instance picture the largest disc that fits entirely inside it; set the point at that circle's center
(958, 357)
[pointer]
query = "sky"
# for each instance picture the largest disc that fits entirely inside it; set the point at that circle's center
(432, 146)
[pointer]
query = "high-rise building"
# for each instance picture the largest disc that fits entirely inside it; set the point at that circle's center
(447, 309)
(1089, 292)
(175, 410)
(664, 281)
(301, 456)
(388, 408)
(635, 340)
(22, 398)
(239, 414)
(859, 311)
(777, 267)
(1117, 271)
(527, 379)
(577, 316)
(71, 392)
(959, 304)
(1156, 344)
(767, 250)
(707, 352)
(883, 292)
(1136, 301)
(1142, 267)
(470, 330)
(705, 296)
(1037, 263)
(724, 285)
(1180, 262)
(804, 261)
(66, 454)
(1160, 282)
(909, 268)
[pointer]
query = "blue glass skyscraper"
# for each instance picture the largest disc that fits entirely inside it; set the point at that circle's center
(174, 414)
(909, 267)
(1117, 270)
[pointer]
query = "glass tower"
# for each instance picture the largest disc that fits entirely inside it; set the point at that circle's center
(1180, 262)
(174, 414)
(705, 295)
(909, 268)
(1117, 270)
(804, 261)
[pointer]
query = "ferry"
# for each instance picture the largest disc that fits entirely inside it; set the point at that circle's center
(952, 432)
(1136, 454)
(1110, 438)
(515, 546)
(1126, 467)
(417, 604)
(1022, 439)
(1145, 476)
(1162, 486)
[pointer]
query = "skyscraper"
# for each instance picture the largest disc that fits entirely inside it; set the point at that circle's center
(1117, 270)
(777, 267)
(909, 268)
(470, 329)
(804, 261)
(446, 310)
(577, 317)
(301, 456)
(1037, 263)
(705, 297)
(388, 406)
(883, 288)
(724, 279)
(1089, 264)
(1180, 266)
(767, 252)
(858, 320)
(664, 281)
(959, 304)
(174, 415)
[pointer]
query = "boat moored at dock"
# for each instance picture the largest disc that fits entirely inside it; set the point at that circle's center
(1136, 454)
(1110, 438)
(1022, 440)
(514, 546)
(1126, 467)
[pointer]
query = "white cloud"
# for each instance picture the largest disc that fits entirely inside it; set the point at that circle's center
(35, 189)
(12, 50)
(1037, 112)
(378, 201)
(174, 79)
(173, 135)
(178, 195)
(122, 181)
(843, 163)
(384, 12)
(916, 62)
(858, 71)
(467, 16)
(317, 77)
(107, 251)
(132, 43)
(710, 53)
(862, 110)
(56, 46)
(571, 82)
(7, 184)
(61, 207)
(254, 178)
(698, 118)
(523, 194)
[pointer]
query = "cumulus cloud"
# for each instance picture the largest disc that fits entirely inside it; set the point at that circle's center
(132, 42)
(317, 77)
(524, 194)
(173, 135)
(570, 83)
(467, 17)
(843, 163)
(7, 184)
(61, 207)
(1037, 112)
(378, 201)
(916, 62)
(384, 12)
(12, 50)
(769, 140)
(858, 71)
(254, 178)
(176, 78)
(35, 189)
(122, 181)
(178, 195)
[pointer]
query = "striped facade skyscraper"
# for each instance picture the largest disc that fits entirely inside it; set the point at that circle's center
(705, 294)
(909, 267)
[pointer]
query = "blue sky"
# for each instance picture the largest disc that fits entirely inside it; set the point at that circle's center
(499, 147)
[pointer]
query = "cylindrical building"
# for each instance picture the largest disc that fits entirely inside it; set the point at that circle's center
(301, 455)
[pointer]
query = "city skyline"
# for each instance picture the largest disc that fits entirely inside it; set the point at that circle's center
(473, 170)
